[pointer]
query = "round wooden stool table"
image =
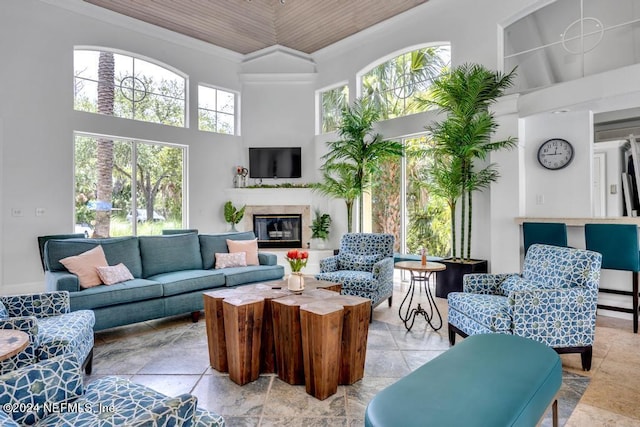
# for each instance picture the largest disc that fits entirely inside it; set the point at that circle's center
(12, 342)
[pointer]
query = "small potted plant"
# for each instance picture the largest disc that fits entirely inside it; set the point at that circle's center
(297, 261)
(320, 229)
(233, 215)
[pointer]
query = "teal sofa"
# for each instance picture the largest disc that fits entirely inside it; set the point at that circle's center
(170, 274)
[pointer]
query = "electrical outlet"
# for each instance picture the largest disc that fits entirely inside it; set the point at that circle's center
(539, 199)
(16, 212)
(40, 211)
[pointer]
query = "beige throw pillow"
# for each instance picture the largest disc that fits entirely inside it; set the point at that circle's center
(85, 266)
(114, 274)
(248, 246)
(237, 259)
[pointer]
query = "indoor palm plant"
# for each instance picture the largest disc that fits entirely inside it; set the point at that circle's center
(463, 139)
(355, 158)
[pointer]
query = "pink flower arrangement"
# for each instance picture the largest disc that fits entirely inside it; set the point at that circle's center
(297, 259)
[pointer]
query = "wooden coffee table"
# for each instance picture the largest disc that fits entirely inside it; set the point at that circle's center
(284, 339)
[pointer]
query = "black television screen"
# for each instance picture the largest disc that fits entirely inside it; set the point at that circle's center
(275, 162)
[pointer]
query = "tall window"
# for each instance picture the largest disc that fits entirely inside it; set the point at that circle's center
(125, 86)
(332, 101)
(397, 85)
(216, 110)
(401, 203)
(145, 186)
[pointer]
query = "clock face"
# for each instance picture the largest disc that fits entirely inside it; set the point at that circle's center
(555, 153)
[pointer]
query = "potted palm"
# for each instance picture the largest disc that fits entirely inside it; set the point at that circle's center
(233, 215)
(459, 142)
(320, 229)
(353, 160)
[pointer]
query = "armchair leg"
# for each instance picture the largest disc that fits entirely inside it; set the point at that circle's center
(390, 300)
(452, 335)
(87, 365)
(586, 357)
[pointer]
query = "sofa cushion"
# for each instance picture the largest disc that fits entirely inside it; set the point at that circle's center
(85, 266)
(249, 247)
(180, 282)
(237, 259)
(163, 254)
(240, 275)
(491, 311)
(120, 293)
(210, 244)
(113, 274)
(116, 249)
(349, 261)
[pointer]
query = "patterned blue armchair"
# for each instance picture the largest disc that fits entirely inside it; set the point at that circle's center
(52, 328)
(553, 301)
(50, 393)
(364, 266)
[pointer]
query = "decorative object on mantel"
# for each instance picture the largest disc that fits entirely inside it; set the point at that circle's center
(297, 261)
(240, 178)
(320, 229)
(282, 185)
(233, 215)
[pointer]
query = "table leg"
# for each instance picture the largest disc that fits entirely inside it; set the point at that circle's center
(409, 316)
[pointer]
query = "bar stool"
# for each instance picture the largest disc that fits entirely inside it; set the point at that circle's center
(546, 233)
(618, 244)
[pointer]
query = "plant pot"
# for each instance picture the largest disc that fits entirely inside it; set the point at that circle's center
(295, 283)
(450, 280)
(318, 243)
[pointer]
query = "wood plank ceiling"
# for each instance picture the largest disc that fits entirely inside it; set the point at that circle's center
(246, 26)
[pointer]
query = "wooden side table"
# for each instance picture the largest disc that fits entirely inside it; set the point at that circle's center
(12, 342)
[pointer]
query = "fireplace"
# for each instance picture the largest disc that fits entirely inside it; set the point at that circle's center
(278, 230)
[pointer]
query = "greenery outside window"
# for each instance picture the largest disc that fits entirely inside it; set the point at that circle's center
(146, 190)
(396, 84)
(125, 86)
(216, 110)
(332, 101)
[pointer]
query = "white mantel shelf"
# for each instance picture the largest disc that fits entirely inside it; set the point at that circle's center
(578, 222)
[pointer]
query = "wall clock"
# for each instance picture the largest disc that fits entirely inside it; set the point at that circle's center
(555, 153)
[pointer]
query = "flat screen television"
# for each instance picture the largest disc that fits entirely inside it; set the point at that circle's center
(275, 162)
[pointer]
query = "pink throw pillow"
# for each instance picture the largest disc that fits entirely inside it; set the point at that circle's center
(248, 246)
(114, 274)
(85, 266)
(237, 259)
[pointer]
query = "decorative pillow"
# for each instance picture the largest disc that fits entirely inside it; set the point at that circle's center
(85, 266)
(248, 246)
(235, 259)
(114, 274)
(354, 262)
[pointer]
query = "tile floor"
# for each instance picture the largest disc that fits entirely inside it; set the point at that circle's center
(171, 356)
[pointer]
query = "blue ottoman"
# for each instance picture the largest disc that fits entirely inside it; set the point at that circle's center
(486, 380)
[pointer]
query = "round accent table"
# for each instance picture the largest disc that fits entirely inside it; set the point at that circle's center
(420, 274)
(12, 342)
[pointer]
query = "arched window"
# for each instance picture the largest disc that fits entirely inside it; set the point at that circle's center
(116, 84)
(331, 102)
(397, 84)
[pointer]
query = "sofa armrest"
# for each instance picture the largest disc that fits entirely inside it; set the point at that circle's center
(483, 283)
(265, 258)
(173, 411)
(39, 305)
(383, 270)
(556, 317)
(329, 264)
(60, 379)
(61, 281)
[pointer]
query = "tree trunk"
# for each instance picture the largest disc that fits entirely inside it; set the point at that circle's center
(452, 209)
(349, 215)
(104, 191)
(470, 212)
